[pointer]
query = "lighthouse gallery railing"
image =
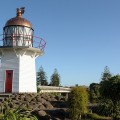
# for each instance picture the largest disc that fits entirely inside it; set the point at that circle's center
(27, 40)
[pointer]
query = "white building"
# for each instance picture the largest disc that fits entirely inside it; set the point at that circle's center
(18, 54)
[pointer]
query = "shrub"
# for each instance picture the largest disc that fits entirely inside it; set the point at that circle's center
(77, 100)
(38, 89)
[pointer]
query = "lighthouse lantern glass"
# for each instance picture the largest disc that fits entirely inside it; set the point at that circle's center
(18, 36)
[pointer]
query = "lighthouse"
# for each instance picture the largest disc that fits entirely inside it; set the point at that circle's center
(18, 51)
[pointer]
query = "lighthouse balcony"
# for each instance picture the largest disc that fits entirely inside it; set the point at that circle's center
(22, 41)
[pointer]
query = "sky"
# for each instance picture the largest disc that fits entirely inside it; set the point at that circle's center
(82, 36)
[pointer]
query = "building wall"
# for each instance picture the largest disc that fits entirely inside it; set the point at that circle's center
(27, 82)
(9, 61)
(24, 72)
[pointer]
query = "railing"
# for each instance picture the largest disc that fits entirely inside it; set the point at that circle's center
(22, 40)
(54, 89)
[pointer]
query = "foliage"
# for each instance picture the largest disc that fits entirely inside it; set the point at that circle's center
(106, 74)
(38, 89)
(95, 116)
(106, 107)
(1, 116)
(41, 77)
(94, 92)
(77, 100)
(55, 78)
(110, 92)
(18, 114)
(111, 89)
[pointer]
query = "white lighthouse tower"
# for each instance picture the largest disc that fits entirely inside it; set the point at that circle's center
(18, 53)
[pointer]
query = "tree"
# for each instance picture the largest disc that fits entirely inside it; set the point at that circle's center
(110, 91)
(41, 77)
(106, 74)
(77, 100)
(94, 92)
(55, 78)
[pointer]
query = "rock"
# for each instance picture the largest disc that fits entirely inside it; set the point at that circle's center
(41, 113)
(38, 98)
(33, 103)
(30, 107)
(56, 118)
(11, 105)
(48, 105)
(53, 99)
(42, 100)
(41, 106)
(63, 99)
(58, 97)
(48, 99)
(57, 113)
(47, 117)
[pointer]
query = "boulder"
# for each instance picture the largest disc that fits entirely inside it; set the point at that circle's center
(42, 113)
(42, 100)
(48, 105)
(41, 107)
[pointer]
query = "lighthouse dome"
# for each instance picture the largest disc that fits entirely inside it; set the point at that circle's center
(19, 20)
(18, 31)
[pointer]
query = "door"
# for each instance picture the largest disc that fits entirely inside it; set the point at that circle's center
(8, 83)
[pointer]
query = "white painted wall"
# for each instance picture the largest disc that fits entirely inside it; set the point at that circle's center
(24, 72)
(27, 80)
(9, 61)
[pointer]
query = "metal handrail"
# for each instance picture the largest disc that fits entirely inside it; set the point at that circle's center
(37, 42)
